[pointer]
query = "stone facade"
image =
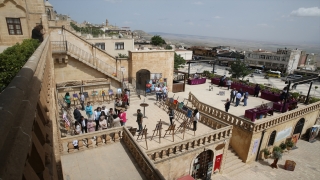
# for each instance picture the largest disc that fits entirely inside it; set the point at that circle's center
(30, 13)
(150, 60)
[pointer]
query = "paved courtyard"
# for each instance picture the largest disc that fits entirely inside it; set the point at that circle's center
(258, 78)
(111, 162)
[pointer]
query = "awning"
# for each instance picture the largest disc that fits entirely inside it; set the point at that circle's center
(256, 65)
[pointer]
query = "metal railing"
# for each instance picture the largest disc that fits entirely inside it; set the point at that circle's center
(87, 58)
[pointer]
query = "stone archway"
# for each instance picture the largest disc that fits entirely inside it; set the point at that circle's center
(142, 76)
(299, 126)
(202, 164)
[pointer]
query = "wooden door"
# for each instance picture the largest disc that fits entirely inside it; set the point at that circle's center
(200, 165)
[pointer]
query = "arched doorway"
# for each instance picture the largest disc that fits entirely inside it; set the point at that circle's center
(202, 164)
(299, 127)
(142, 76)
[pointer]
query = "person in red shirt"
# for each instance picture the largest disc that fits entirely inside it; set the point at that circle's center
(125, 100)
(123, 117)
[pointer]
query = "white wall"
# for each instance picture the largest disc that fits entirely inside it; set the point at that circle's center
(110, 45)
(293, 60)
(187, 55)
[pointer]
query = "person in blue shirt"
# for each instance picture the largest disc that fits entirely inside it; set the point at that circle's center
(89, 111)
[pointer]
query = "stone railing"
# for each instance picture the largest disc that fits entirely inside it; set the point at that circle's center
(258, 126)
(146, 165)
(86, 141)
(28, 122)
(186, 146)
(221, 115)
(284, 117)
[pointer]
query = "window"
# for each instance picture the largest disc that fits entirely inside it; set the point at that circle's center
(272, 138)
(119, 45)
(14, 26)
(100, 46)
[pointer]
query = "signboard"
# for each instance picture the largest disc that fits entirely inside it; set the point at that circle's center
(255, 146)
(123, 69)
(283, 134)
(209, 171)
(221, 93)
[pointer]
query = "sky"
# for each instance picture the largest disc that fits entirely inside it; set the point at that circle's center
(283, 21)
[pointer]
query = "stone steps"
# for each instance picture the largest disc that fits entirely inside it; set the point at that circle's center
(233, 162)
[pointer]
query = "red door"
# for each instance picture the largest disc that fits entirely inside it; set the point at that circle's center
(217, 163)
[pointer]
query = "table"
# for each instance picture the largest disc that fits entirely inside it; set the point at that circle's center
(144, 105)
(196, 81)
(270, 96)
(216, 81)
(254, 113)
(289, 106)
(235, 85)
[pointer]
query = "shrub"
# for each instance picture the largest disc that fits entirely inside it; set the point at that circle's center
(13, 59)
(266, 152)
(283, 146)
(276, 148)
(290, 143)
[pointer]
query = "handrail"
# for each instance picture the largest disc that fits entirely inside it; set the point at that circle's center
(221, 115)
(87, 58)
(250, 126)
(147, 166)
(63, 28)
(227, 130)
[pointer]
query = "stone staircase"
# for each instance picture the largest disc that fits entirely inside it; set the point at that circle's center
(234, 164)
(134, 97)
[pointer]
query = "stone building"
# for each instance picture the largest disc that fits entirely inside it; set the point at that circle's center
(33, 140)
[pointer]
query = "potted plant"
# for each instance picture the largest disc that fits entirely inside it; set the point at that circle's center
(277, 154)
(289, 144)
(266, 153)
(295, 95)
(283, 146)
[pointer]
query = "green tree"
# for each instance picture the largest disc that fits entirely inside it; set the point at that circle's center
(13, 59)
(157, 40)
(178, 61)
(168, 47)
(239, 69)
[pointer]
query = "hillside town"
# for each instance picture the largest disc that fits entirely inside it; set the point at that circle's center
(100, 101)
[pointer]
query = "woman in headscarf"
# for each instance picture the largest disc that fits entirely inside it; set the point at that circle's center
(103, 123)
(245, 98)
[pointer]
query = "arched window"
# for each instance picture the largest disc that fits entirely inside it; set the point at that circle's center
(272, 138)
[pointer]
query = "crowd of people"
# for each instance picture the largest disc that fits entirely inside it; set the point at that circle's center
(161, 93)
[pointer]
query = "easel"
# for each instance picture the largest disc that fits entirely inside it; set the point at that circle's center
(182, 126)
(171, 128)
(158, 129)
(144, 133)
(168, 103)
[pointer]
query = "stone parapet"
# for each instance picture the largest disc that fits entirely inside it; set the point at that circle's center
(186, 146)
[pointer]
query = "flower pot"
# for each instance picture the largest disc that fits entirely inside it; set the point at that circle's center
(289, 148)
(266, 156)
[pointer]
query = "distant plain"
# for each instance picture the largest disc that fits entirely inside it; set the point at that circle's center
(238, 44)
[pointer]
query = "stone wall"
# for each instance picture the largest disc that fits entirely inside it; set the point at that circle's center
(157, 61)
(28, 128)
(245, 132)
(30, 12)
(110, 45)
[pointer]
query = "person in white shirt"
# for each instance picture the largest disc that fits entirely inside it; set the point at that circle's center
(238, 97)
(228, 83)
(196, 117)
(75, 144)
(164, 92)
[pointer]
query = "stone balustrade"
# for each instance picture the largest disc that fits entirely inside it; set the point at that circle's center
(146, 165)
(85, 141)
(258, 126)
(185, 146)
(284, 117)
(221, 115)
